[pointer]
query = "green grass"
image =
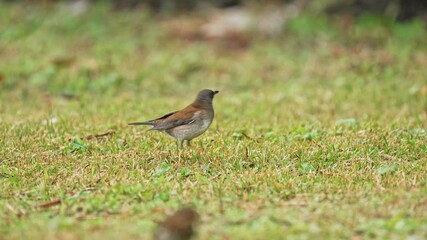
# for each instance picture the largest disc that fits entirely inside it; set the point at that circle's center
(319, 133)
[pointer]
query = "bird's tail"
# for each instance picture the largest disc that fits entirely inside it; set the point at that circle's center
(141, 123)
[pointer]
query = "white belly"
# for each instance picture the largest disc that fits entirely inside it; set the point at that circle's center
(190, 131)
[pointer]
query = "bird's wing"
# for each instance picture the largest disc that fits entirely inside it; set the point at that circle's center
(183, 117)
(163, 117)
(154, 121)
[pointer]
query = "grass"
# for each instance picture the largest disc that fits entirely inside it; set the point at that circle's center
(319, 132)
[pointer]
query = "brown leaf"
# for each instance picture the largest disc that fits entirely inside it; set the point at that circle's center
(180, 225)
(386, 156)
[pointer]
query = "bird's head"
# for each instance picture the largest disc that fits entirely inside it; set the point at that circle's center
(206, 95)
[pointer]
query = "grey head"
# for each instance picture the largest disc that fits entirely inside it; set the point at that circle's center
(206, 96)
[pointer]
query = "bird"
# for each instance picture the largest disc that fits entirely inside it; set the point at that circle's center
(179, 226)
(188, 123)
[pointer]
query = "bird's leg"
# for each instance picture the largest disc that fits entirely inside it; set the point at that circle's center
(181, 143)
(189, 144)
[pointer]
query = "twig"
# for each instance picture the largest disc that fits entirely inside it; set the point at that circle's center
(89, 137)
(54, 202)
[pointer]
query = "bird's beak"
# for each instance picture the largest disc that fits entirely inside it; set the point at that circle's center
(216, 92)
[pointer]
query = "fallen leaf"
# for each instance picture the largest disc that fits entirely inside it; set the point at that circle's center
(180, 225)
(386, 156)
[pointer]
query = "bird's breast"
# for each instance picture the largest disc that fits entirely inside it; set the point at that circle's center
(189, 131)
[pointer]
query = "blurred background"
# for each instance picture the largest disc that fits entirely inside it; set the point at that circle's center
(311, 60)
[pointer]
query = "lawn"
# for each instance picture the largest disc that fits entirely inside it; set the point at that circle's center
(320, 132)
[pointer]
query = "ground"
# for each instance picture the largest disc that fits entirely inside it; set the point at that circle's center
(319, 133)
